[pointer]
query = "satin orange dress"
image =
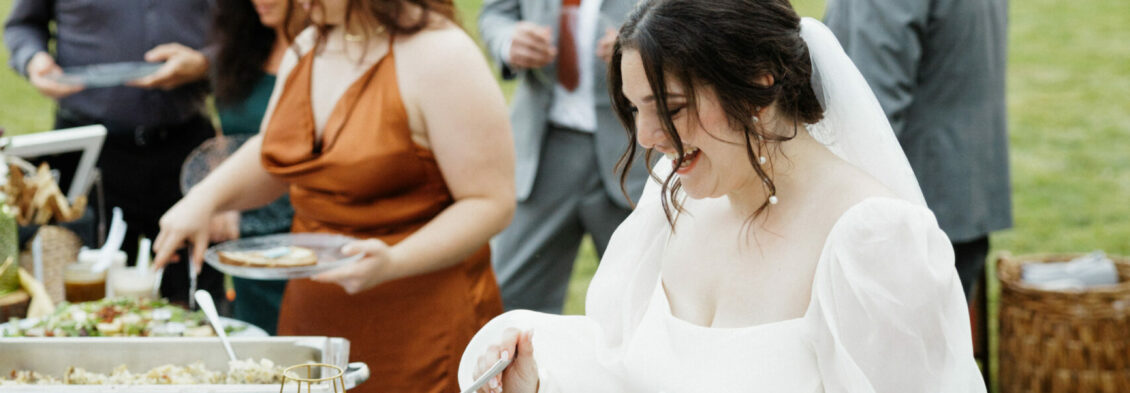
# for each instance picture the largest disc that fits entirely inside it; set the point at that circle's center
(369, 179)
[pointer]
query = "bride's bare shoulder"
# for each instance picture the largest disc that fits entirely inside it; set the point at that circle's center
(845, 186)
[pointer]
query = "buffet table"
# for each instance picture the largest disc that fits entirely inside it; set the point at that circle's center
(55, 356)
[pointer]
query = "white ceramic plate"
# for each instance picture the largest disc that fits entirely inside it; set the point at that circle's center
(327, 246)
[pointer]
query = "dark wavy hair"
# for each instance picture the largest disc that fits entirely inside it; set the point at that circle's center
(244, 44)
(393, 15)
(725, 46)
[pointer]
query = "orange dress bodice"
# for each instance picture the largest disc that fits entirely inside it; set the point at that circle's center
(367, 178)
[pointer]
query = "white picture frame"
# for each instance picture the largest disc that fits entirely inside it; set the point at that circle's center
(87, 139)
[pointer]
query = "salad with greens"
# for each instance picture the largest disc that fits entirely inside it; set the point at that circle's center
(116, 317)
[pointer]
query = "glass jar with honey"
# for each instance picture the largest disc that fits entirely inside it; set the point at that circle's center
(82, 283)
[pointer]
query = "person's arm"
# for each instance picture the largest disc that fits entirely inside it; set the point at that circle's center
(26, 33)
(887, 297)
(496, 27)
(514, 43)
(240, 183)
(465, 117)
(182, 65)
(182, 46)
(885, 41)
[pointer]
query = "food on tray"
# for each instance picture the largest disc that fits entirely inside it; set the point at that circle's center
(37, 198)
(22, 377)
(287, 256)
(116, 317)
(251, 372)
(239, 372)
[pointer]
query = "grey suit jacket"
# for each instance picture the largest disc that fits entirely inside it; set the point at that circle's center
(534, 95)
(938, 69)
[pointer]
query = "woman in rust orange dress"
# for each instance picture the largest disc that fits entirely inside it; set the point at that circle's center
(387, 126)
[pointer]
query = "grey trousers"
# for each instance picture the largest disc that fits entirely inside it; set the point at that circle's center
(533, 258)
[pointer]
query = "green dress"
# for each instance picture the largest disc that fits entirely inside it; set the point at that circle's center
(257, 301)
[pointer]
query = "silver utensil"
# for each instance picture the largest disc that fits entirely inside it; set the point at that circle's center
(157, 283)
(494, 370)
(204, 299)
(192, 286)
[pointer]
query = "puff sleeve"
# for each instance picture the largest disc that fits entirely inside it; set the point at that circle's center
(887, 312)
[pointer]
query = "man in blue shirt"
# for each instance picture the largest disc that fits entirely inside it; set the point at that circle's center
(152, 122)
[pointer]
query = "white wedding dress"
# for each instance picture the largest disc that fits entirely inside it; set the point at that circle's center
(886, 313)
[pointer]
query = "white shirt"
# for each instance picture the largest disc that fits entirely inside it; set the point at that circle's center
(577, 109)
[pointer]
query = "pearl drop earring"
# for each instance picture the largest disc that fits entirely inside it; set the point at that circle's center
(760, 158)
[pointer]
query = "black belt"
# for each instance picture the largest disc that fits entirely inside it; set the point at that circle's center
(141, 135)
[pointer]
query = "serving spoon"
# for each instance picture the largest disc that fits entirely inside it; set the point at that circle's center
(204, 300)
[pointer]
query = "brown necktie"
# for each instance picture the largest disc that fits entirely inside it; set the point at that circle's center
(568, 73)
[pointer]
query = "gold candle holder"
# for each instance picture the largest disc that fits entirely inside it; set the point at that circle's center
(335, 377)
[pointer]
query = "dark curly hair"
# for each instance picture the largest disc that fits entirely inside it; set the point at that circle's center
(726, 46)
(243, 45)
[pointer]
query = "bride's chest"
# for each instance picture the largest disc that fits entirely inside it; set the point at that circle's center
(727, 276)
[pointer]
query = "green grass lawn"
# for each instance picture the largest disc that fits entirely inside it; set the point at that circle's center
(22, 109)
(1069, 123)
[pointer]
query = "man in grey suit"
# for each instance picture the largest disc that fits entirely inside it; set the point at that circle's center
(938, 69)
(567, 138)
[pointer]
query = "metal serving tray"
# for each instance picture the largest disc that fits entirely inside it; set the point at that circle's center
(53, 355)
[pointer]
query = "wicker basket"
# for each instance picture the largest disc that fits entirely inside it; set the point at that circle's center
(60, 247)
(1054, 341)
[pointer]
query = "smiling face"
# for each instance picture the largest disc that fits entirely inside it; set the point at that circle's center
(716, 161)
(272, 13)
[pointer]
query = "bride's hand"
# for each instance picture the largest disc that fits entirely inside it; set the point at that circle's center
(521, 376)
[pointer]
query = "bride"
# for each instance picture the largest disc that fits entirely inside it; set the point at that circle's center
(783, 244)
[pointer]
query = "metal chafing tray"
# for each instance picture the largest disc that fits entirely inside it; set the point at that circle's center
(102, 354)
